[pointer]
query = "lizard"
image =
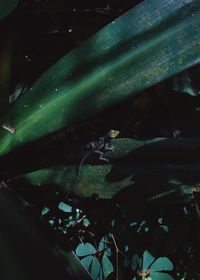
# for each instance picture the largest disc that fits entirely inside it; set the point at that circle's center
(99, 147)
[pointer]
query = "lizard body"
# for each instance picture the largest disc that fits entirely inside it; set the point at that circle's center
(98, 147)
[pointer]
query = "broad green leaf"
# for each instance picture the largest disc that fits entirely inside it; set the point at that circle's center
(94, 179)
(6, 7)
(85, 249)
(162, 264)
(146, 45)
(153, 154)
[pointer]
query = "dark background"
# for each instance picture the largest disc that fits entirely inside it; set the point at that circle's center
(44, 30)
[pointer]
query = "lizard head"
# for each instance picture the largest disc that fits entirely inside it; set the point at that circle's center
(113, 133)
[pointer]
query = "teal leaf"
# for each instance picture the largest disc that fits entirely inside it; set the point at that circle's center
(51, 222)
(107, 266)
(100, 275)
(162, 264)
(45, 210)
(108, 252)
(95, 268)
(102, 244)
(161, 276)
(65, 207)
(86, 262)
(86, 222)
(85, 250)
(147, 260)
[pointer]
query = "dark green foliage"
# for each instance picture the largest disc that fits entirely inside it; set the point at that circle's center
(136, 216)
(26, 252)
(129, 55)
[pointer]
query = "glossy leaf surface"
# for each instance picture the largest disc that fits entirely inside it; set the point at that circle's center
(146, 45)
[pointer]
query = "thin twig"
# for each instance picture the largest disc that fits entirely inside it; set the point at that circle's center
(117, 256)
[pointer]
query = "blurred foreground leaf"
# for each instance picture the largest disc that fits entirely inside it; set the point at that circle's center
(6, 7)
(26, 253)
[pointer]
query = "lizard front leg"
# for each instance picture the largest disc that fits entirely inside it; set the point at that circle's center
(109, 147)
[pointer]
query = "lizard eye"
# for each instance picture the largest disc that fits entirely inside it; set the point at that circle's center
(113, 133)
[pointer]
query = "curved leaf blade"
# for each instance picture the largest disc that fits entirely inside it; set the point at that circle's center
(146, 45)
